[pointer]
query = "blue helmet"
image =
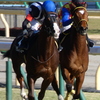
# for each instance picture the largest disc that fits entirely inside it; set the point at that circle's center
(49, 6)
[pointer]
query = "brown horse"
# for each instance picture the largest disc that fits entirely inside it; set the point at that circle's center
(74, 55)
(41, 59)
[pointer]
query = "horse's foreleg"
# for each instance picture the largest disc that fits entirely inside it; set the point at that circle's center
(78, 85)
(44, 86)
(23, 94)
(69, 81)
(55, 87)
(30, 88)
(22, 91)
(16, 67)
(66, 77)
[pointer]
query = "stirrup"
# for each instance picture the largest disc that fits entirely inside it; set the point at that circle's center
(60, 48)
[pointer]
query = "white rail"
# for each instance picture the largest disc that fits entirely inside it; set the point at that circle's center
(10, 9)
(95, 50)
(7, 33)
(4, 46)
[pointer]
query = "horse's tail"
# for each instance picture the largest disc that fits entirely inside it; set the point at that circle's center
(7, 54)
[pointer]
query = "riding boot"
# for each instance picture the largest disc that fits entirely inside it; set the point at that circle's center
(61, 37)
(59, 42)
(23, 43)
(90, 42)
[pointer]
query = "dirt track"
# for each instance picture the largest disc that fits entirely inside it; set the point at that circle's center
(94, 37)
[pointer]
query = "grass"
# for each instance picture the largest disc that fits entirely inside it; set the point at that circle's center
(94, 26)
(50, 95)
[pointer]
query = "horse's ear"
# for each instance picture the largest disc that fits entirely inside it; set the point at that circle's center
(73, 5)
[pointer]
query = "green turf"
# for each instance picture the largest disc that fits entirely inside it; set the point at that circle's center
(50, 95)
(93, 26)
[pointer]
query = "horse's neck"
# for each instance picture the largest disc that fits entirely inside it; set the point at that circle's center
(45, 44)
(79, 41)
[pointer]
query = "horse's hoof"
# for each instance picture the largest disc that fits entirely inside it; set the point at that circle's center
(76, 97)
(60, 97)
(24, 96)
(72, 92)
(67, 97)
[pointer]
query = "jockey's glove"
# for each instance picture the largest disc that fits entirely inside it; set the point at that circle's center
(28, 25)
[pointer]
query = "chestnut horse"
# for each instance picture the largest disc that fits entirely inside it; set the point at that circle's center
(74, 55)
(41, 59)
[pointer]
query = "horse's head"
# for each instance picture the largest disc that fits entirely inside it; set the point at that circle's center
(51, 24)
(80, 18)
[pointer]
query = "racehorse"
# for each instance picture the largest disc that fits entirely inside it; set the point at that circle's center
(74, 55)
(41, 59)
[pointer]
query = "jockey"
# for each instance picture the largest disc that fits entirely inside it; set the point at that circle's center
(66, 19)
(33, 21)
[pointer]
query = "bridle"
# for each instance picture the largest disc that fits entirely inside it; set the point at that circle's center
(77, 24)
(51, 17)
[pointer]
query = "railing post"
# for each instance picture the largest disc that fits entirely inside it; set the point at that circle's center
(8, 80)
(61, 83)
(82, 96)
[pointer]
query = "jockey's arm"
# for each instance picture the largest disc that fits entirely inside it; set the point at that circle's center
(26, 26)
(25, 23)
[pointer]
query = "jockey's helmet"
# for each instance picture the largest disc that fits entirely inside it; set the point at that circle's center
(79, 2)
(49, 6)
(35, 10)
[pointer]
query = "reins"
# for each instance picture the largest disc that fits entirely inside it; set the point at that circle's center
(43, 61)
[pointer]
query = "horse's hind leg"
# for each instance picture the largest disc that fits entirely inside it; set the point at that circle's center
(55, 87)
(16, 67)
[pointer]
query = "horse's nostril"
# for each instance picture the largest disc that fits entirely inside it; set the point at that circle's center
(81, 28)
(86, 28)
